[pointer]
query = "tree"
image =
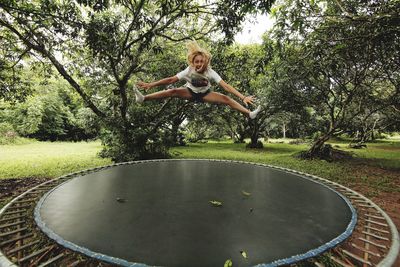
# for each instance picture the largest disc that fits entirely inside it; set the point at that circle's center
(284, 103)
(52, 112)
(101, 48)
(205, 122)
(331, 71)
(240, 66)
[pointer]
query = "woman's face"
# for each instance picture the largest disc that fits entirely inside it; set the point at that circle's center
(199, 63)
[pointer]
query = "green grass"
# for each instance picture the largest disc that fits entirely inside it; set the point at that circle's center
(277, 154)
(16, 140)
(382, 155)
(48, 159)
(52, 159)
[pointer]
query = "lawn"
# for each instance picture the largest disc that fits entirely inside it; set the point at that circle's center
(383, 154)
(52, 159)
(48, 159)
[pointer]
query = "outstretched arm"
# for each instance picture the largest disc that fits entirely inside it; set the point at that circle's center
(246, 99)
(165, 81)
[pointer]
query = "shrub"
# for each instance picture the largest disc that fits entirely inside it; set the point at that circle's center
(7, 134)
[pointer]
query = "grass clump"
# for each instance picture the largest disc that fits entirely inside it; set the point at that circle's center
(8, 136)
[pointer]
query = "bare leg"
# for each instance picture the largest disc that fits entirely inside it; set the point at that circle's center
(175, 92)
(214, 97)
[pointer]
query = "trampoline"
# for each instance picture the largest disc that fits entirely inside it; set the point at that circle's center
(160, 213)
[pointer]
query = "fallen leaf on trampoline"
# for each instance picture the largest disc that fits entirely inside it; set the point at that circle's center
(244, 254)
(121, 200)
(247, 194)
(216, 203)
(228, 263)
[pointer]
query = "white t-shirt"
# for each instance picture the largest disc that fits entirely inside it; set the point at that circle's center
(199, 82)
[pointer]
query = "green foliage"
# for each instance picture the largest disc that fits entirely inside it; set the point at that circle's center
(148, 133)
(103, 32)
(204, 122)
(51, 113)
(14, 82)
(240, 66)
(320, 62)
(7, 134)
(232, 13)
(86, 122)
(103, 47)
(14, 79)
(96, 5)
(332, 66)
(28, 116)
(138, 146)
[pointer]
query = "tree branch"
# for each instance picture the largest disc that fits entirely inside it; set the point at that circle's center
(40, 48)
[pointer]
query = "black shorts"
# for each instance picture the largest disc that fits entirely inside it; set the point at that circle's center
(198, 97)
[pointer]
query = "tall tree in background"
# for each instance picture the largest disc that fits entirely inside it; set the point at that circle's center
(240, 66)
(100, 48)
(343, 54)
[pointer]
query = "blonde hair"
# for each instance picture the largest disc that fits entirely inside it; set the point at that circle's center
(194, 50)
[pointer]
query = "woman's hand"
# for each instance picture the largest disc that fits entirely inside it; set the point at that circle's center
(248, 100)
(145, 86)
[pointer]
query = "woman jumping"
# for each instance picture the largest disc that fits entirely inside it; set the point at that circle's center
(198, 76)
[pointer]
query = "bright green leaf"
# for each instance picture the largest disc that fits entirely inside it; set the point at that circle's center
(216, 203)
(244, 254)
(247, 194)
(228, 263)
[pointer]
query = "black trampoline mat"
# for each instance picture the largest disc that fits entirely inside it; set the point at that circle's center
(164, 216)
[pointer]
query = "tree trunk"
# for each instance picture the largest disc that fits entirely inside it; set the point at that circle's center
(373, 129)
(176, 136)
(317, 145)
(241, 138)
(284, 130)
(254, 143)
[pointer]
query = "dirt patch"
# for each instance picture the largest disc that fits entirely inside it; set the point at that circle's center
(10, 188)
(388, 201)
(382, 186)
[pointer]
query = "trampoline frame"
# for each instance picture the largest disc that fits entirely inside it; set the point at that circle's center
(286, 261)
(388, 260)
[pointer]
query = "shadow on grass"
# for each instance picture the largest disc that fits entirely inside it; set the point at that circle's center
(286, 149)
(268, 148)
(387, 164)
